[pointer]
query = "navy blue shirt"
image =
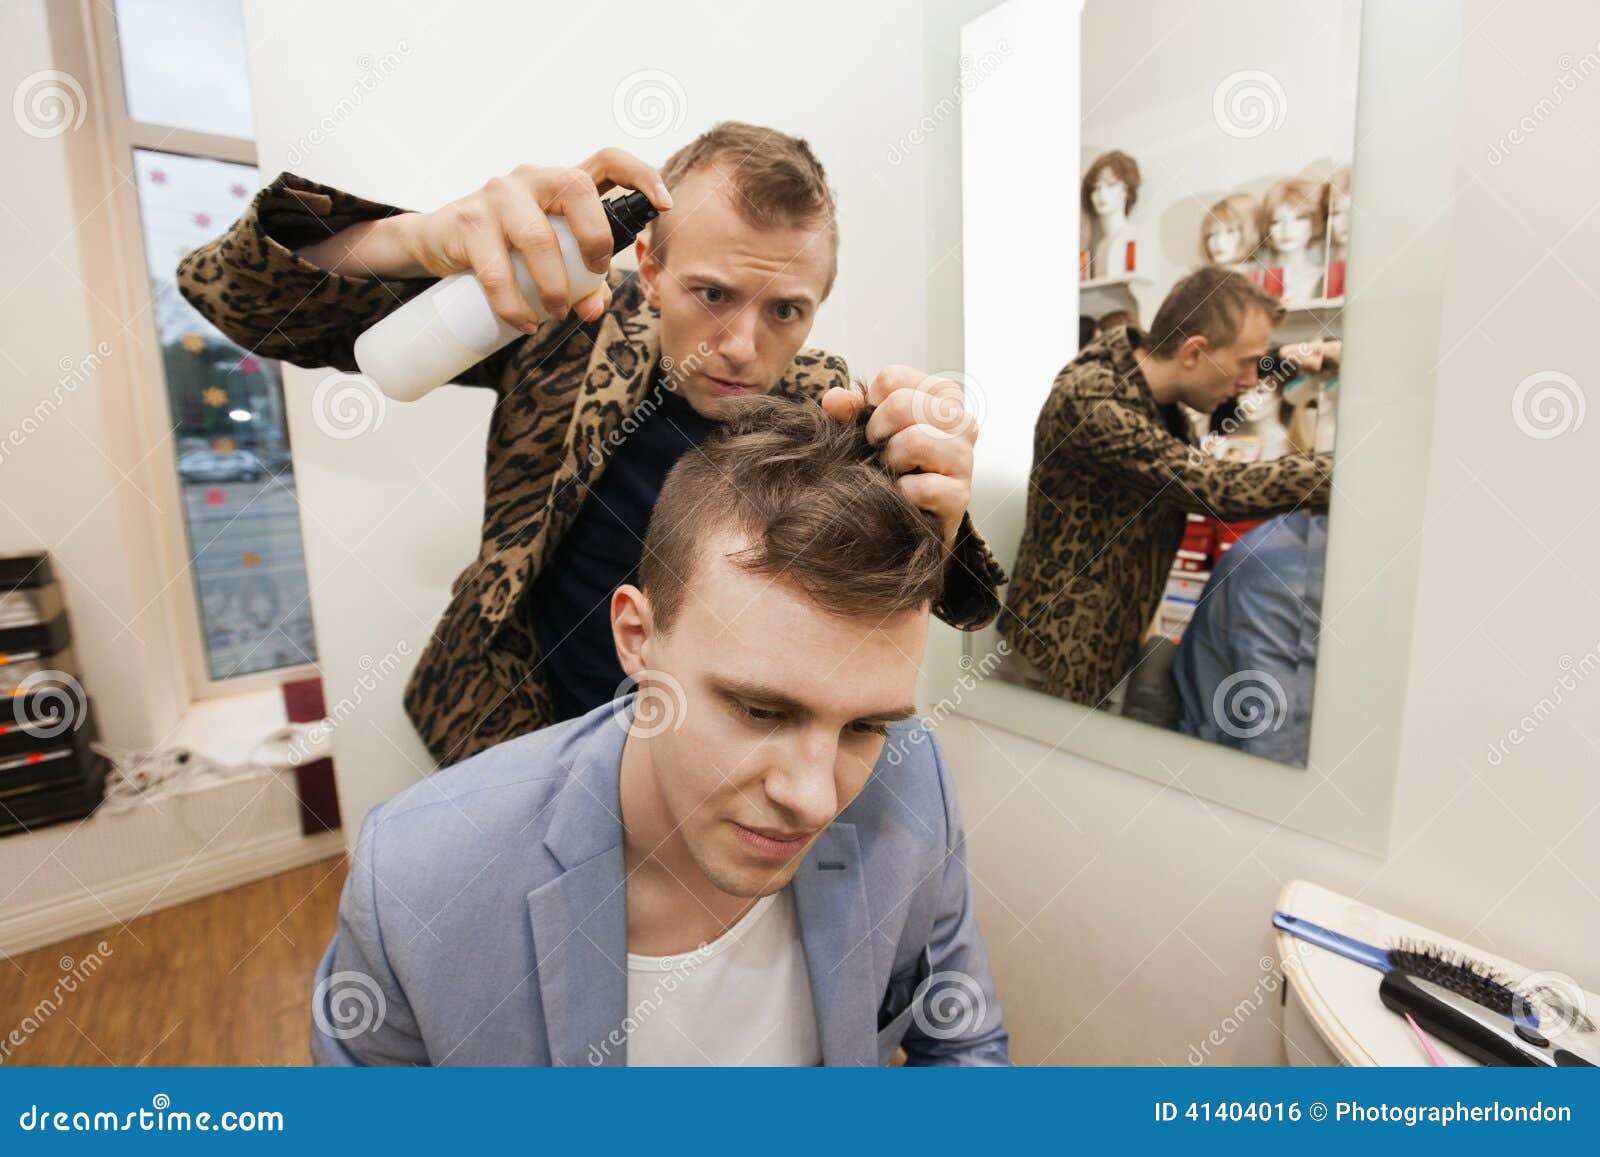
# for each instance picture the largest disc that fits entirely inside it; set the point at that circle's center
(569, 604)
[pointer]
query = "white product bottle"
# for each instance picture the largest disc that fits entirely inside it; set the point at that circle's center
(450, 326)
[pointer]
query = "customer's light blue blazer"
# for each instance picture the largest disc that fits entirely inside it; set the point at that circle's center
(484, 919)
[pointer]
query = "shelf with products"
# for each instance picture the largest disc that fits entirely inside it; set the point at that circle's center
(49, 772)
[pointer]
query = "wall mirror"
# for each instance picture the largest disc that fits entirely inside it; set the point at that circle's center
(1165, 509)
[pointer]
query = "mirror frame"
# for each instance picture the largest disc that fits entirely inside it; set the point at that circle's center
(1404, 169)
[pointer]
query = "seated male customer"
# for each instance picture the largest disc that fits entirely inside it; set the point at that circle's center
(718, 867)
(1248, 661)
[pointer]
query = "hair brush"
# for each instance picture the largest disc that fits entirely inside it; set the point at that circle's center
(1485, 1036)
(1449, 969)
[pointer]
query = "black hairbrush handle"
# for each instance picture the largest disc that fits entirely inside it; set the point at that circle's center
(1481, 1033)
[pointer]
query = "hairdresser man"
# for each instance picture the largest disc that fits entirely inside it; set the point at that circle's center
(726, 866)
(1116, 470)
(594, 406)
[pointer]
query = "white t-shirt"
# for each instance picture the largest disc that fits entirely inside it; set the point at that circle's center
(743, 999)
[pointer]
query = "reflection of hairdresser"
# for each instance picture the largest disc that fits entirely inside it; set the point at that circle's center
(1248, 659)
(1115, 470)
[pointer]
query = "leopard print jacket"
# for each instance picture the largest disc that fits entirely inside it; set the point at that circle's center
(562, 397)
(1108, 493)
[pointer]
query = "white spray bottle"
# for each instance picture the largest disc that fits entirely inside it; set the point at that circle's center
(450, 326)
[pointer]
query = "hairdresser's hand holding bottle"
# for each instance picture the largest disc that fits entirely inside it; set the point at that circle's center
(551, 220)
(924, 430)
(476, 233)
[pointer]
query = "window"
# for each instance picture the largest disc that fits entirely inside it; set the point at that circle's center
(186, 121)
(183, 65)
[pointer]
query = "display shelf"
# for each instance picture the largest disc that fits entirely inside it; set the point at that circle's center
(1124, 281)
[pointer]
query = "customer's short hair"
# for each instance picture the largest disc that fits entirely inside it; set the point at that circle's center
(773, 179)
(814, 505)
(1211, 303)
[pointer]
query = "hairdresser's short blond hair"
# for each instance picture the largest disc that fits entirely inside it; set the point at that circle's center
(772, 178)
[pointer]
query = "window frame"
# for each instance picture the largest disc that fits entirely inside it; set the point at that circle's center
(149, 403)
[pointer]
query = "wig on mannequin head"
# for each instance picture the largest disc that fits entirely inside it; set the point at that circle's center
(1337, 192)
(1339, 181)
(1303, 198)
(1237, 211)
(1117, 164)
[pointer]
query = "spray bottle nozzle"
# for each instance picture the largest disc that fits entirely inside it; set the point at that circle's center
(628, 214)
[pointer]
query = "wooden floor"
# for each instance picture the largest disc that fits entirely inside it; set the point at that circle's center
(224, 980)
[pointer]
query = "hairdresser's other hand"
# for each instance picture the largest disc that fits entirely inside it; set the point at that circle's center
(1314, 355)
(923, 429)
(476, 233)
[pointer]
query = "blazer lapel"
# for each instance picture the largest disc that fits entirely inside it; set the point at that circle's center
(580, 918)
(836, 932)
(580, 942)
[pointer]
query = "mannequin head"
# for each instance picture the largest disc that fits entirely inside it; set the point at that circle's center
(1339, 206)
(1230, 233)
(1111, 185)
(1293, 215)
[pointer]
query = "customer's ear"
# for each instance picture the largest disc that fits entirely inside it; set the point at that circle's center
(631, 627)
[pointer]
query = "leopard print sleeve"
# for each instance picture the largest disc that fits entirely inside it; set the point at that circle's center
(1123, 443)
(250, 285)
(971, 599)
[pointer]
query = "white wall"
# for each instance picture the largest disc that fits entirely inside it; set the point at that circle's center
(471, 90)
(1125, 920)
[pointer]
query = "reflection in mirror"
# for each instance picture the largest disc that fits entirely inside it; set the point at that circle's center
(1171, 561)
